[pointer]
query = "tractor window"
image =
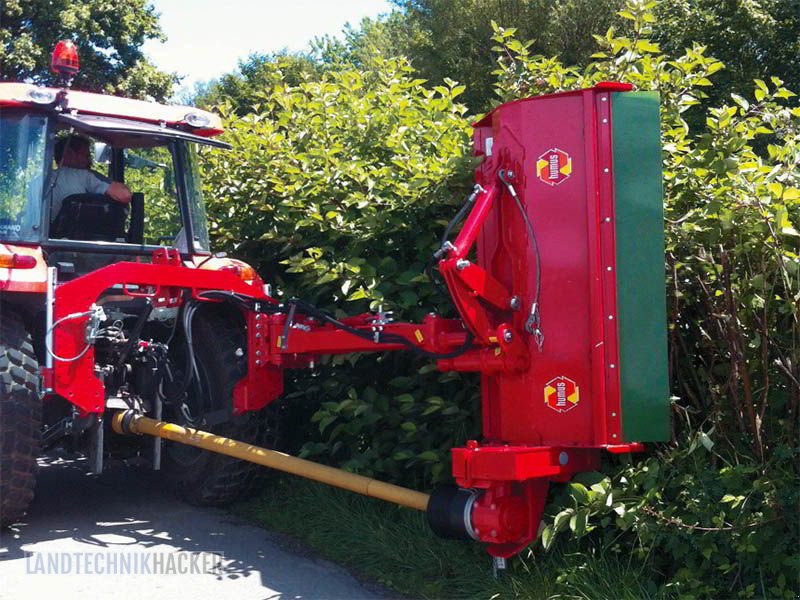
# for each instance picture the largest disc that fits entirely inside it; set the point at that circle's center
(194, 193)
(22, 164)
(151, 172)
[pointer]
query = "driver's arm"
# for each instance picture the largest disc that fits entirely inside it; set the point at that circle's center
(119, 192)
(115, 190)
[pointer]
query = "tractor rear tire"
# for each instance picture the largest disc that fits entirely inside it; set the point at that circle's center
(206, 478)
(20, 417)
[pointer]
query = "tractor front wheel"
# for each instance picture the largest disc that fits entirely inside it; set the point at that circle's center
(206, 478)
(20, 417)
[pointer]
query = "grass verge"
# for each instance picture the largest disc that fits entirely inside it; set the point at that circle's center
(394, 547)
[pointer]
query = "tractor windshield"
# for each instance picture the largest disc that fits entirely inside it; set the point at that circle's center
(22, 163)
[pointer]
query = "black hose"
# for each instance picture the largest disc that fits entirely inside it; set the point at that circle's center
(440, 253)
(135, 332)
(189, 368)
(459, 215)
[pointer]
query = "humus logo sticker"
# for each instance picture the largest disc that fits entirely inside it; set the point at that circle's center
(561, 394)
(554, 166)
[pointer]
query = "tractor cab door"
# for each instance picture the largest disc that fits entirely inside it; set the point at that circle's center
(157, 165)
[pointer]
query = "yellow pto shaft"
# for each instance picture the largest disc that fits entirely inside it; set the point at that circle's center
(129, 422)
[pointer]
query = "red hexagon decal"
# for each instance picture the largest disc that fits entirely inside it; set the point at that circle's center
(561, 394)
(554, 166)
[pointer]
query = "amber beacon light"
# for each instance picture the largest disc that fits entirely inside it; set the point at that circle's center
(65, 59)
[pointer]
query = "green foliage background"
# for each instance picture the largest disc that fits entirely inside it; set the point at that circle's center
(453, 39)
(109, 36)
(340, 182)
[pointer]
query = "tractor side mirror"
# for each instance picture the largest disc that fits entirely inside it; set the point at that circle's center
(136, 228)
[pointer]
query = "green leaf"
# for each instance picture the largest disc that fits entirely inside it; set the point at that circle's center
(578, 522)
(428, 455)
(547, 537)
(324, 423)
(578, 491)
(791, 193)
(562, 519)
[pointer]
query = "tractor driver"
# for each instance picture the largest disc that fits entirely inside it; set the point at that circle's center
(73, 175)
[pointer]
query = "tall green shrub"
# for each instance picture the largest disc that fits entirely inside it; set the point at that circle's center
(338, 190)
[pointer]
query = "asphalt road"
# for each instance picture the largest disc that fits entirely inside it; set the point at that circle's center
(121, 535)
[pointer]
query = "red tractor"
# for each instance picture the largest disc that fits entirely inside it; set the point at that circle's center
(119, 309)
(53, 233)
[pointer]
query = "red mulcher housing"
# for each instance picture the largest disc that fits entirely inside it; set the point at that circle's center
(556, 273)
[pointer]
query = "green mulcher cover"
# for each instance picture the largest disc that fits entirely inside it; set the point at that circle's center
(641, 289)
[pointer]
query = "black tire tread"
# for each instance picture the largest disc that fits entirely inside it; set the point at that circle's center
(20, 417)
(220, 480)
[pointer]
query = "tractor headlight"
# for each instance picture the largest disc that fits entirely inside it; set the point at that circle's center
(197, 120)
(42, 96)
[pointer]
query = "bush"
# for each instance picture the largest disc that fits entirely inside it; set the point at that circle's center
(338, 190)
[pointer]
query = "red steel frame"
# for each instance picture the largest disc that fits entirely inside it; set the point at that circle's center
(525, 444)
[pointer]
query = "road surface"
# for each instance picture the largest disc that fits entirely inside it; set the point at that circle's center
(121, 535)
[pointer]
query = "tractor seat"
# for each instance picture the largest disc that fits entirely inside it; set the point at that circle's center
(92, 217)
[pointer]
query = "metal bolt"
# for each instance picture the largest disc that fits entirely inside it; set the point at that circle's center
(258, 352)
(613, 414)
(605, 170)
(494, 533)
(607, 219)
(507, 336)
(563, 458)
(612, 366)
(239, 352)
(258, 362)
(605, 120)
(609, 269)
(614, 435)
(462, 264)
(515, 303)
(493, 506)
(258, 335)
(603, 99)
(610, 317)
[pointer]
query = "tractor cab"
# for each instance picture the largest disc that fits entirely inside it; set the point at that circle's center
(149, 149)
